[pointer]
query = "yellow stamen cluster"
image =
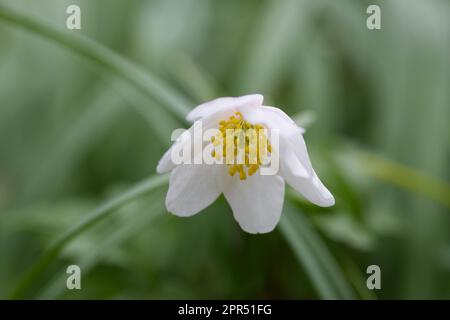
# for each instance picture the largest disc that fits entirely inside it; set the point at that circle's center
(241, 144)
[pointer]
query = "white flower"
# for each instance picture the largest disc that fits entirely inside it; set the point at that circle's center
(256, 199)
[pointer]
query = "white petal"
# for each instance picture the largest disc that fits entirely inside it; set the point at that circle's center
(300, 174)
(166, 164)
(193, 187)
(295, 165)
(256, 202)
(312, 188)
(272, 118)
(222, 104)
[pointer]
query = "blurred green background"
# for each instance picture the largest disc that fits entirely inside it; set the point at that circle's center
(82, 121)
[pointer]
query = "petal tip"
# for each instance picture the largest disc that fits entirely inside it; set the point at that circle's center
(159, 169)
(177, 211)
(162, 167)
(328, 202)
(256, 98)
(261, 230)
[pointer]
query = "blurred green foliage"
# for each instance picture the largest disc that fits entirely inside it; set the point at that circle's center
(82, 120)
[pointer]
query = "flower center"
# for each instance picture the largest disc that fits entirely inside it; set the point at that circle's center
(243, 145)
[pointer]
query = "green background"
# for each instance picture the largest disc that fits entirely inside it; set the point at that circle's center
(85, 115)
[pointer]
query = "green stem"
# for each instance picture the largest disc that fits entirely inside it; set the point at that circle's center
(104, 57)
(91, 219)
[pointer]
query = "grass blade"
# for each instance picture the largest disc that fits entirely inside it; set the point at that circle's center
(97, 254)
(91, 219)
(397, 174)
(102, 56)
(312, 253)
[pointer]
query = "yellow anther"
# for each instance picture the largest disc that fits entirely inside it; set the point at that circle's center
(253, 168)
(246, 149)
(242, 174)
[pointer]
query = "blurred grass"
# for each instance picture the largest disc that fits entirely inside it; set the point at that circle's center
(97, 215)
(101, 212)
(103, 57)
(66, 140)
(310, 250)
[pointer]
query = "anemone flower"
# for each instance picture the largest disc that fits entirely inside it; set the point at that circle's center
(256, 198)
